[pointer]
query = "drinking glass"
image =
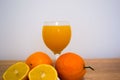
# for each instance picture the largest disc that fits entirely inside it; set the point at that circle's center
(56, 35)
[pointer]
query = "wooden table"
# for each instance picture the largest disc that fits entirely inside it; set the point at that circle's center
(105, 69)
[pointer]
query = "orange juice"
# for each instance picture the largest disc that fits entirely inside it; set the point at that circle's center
(56, 37)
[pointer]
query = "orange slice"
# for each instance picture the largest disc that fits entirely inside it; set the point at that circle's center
(17, 71)
(43, 72)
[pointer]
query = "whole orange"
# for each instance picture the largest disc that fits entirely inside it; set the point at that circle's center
(70, 66)
(38, 58)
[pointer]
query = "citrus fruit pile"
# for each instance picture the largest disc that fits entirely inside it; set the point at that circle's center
(39, 66)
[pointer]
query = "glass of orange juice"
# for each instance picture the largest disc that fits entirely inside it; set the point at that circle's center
(56, 35)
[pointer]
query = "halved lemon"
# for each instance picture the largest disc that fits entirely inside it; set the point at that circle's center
(43, 72)
(17, 71)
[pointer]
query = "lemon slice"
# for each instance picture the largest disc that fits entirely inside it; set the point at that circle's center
(43, 72)
(17, 71)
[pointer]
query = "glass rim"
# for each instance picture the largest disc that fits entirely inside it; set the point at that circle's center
(56, 23)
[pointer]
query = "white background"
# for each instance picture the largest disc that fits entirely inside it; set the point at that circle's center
(95, 27)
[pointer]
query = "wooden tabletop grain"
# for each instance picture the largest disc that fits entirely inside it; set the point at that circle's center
(105, 69)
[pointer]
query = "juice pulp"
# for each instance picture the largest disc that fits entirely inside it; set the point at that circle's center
(56, 37)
